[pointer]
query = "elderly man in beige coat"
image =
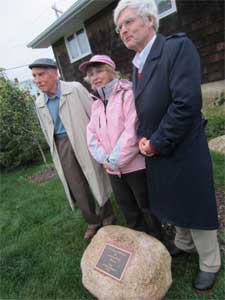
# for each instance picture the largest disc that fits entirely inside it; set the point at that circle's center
(63, 109)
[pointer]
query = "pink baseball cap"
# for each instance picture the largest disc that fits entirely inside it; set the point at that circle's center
(104, 59)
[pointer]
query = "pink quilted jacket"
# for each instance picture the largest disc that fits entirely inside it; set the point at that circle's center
(111, 132)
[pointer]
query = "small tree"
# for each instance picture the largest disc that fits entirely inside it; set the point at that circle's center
(2, 73)
(21, 140)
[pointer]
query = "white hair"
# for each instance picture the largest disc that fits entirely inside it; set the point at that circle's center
(145, 8)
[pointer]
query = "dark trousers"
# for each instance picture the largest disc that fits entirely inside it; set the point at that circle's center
(132, 196)
(79, 188)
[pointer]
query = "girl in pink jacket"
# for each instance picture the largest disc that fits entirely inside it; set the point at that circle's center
(112, 141)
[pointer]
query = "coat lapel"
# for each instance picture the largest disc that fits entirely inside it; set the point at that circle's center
(149, 66)
(40, 102)
(46, 117)
(42, 106)
(66, 89)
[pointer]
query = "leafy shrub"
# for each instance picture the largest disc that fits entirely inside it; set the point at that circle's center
(216, 122)
(20, 137)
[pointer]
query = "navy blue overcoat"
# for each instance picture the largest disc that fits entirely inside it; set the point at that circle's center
(168, 102)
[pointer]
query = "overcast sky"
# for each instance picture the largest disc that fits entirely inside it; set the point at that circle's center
(20, 22)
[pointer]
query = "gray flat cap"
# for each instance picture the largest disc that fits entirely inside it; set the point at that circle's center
(43, 63)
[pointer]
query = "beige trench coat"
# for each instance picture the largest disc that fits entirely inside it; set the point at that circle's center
(74, 111)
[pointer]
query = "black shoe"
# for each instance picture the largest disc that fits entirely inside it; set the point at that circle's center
(175, 252)
(204, 281)
(111, 220)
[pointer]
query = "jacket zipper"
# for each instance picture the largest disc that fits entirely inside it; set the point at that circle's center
(105, 102)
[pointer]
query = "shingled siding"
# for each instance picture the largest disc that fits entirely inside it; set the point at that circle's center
(203, 21)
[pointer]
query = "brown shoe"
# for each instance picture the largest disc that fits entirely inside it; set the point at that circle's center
(89, 233)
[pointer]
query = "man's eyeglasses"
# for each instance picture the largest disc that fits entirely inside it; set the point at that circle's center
(126, 23)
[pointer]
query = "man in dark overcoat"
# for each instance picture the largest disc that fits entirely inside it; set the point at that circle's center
(167, 87)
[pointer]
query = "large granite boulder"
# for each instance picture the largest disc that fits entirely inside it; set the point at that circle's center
(218, 144)
(148, 272)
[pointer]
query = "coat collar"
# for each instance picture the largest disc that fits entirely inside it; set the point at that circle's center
(66, 89)
(120, 85)
(149, 66)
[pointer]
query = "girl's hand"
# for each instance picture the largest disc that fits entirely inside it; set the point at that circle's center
(106, 166)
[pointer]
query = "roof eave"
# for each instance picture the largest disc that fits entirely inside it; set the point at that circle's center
(81, 10)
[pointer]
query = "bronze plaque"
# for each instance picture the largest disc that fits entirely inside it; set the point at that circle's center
(113, 261)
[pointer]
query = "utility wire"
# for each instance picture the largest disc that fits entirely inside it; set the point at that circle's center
(33, 21)
(15, 68)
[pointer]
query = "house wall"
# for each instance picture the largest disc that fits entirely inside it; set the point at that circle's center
(203, 21)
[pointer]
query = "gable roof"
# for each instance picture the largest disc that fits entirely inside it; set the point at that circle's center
(71, 21)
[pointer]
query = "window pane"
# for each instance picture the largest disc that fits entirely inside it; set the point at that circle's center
(163, 5)
(70, 38)
(82, 41)
(72, 47)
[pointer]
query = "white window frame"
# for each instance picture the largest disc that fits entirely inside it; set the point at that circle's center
(81, 55)
(169, 11)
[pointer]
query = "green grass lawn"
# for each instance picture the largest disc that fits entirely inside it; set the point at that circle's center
(42, 243)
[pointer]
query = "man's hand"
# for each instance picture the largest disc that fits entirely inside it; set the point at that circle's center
(144, 146)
